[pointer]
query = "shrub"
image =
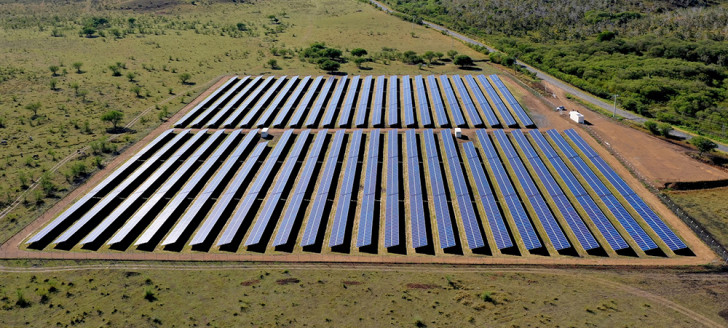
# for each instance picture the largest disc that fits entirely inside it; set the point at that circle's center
(703, 144)
(463, 61)
(329, 65)
(651, 126)
(359, 52)
(113, 117)
(185, 78)
(664, 129)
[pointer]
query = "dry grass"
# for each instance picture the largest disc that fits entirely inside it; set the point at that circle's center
(709, 207)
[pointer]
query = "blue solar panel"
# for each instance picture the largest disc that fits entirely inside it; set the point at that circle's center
(422, 104)
(251, 195)
(549, 223)
(467, 102)
(497, 225)
(553, 231)
(333, 106)
(442, 213)
(303, 105)
(437, 104)
(520, 113)
(605, 227)
(417, 211)
(120, 189)
(215, 120)
(482, 102)
(322, 194)
(378, 104)
(341, 218)
(495, 99)
(393, 110)
(643, 210)
(392, 229)
(467, 213)
(407, 105)
(349, 102)
(191, 184)
(284, 231)
(275, 195)
(525, 229)
(230, 121)
(226, 198)
(283, 113)
(158, 197)
(452, 102)
(248, 119)
(630, 225)
(361, 111)
(273, 106)
(217, 182)
(580, 230)
(183, 121)
(113, 179)
(213, 108)
(316, 109)
(366, 219)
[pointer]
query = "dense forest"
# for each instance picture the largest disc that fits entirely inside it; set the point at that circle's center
(666, 59)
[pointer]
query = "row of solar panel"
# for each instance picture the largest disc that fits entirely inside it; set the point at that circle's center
(250, 102)
(191, 176)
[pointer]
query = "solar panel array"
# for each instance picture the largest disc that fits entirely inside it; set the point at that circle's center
(193, 190)
(268, 102)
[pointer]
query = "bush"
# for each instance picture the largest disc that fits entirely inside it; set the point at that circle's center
(359, 52)
(664, 129)
(463, 61)
(185, 78)
(329, 65)
(703, 144)
(652, 127)
(113, 117)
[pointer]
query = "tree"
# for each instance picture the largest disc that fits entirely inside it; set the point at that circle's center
(137, 90)
(329, 65)
(359, 52)
(33, 107)
(439, 55)
(75, 86)
(82, 94)
(77, 66)
(54, 69)
(463, 61)
(88, 31)
(131, 76)
(185, 78)
(273, 64)
(54, 83)
(430, 56)
(703, 144)
(115, 70)
(113, 117)
(452, 54)
(359, 62)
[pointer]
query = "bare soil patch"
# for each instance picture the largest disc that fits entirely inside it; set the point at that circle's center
(421, 286)
(287, 281)
(249, 282)
(658, 160)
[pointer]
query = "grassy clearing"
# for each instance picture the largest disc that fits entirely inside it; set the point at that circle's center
(709, 207)
(294, 297)
(151, 53)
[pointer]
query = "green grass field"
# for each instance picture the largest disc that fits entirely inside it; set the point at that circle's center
(709, 207)
(343, 296)
(160, 45)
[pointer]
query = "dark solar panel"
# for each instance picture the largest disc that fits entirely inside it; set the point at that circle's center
(436, 99)
(366, 219)
(520, 113)
(495, 99)
(452, 102)
(482, 102)
(217, 119)
(417, 211)
(467, 101)
(442, 213)
(322, 194)
(264, 119)
(333, 106)
(194, 111)
(245, 105)
(341, 217)
(295, 96)
(361, 111)
(422, 104)
(294, 206)
(303, 105)
(345, 117)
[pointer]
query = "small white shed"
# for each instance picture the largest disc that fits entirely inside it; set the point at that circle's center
(458, 133)
(576, 117)
(264, 133)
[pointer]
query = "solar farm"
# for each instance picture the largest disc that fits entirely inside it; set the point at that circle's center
(363, 166)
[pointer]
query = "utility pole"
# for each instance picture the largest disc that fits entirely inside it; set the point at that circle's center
(614, 111)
